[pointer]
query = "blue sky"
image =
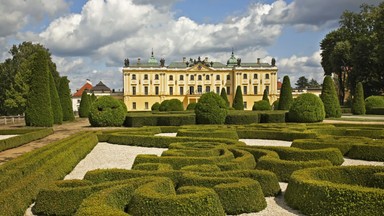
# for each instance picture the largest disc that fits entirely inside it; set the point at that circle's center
(89, 39)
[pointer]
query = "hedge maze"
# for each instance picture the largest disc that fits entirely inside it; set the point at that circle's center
(208, 171)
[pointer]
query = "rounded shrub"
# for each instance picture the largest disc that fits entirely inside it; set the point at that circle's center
(307, 108)
(373, 101)
(285, 99)
(329, 98)
(155, 106)
(261, 105)
(106, 111)
(164, 105)
(171, 105)
(211, 109)
(191, 106)
(358, 104)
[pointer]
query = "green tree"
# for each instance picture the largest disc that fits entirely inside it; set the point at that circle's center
(65, 99)
(329, 98)
(93, 97)
(313, 84)
(223, 94)
(265, 95)
(85, 105)
(38, 110)
(285, 99)
(55, 101)
(238, 103)
(302, 82)
(358, 104)
(211, 109)
(306, 108)
(261, 105)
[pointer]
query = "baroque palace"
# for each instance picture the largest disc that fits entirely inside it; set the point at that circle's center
(146, 83)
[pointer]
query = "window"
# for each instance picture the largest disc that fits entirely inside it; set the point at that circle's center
(207, 77)
(191, 89)
(156, 90)
(245, 104)
(170, 77)
(133, 76)
(266, 76)
(217, 90)
(134, 105)
(181, 90)
(228, 77)
(145, 76)
(170, 90)
(133, 90)
(199, 89)
(207, 88)
(199, 78)
(146, 90)
(267, 88)
(255, 76)
(228, 90)
(254, 89)
(181, 77)
(156, 76)
(217, 77)
(192, 77)
(245, 76)
(146, 105)
(245, 90)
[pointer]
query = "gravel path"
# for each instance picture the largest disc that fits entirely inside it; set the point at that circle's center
(2, 137)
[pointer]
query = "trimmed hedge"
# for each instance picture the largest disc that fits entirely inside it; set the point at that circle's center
(273, 116)
(288, 135)
(106, 111)
(373, 102)
(346, 190)
(211, 109)
(308, 108)
(261, 105)
(166, 119)
(213, 133)
(240, 117)
(23, 138)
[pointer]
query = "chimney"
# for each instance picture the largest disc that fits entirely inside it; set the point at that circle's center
(258, 60)
(184, 59)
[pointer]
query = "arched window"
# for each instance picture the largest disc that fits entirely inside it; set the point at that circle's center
(255, 76)
(266, 76)
(181, 77)
(192, 77)
(199, 89)
(156, 76)
(217, 77)
(145, 76)
(245, 76)
(133, 76)
(207, 77)
(199, 77)
(170, 77)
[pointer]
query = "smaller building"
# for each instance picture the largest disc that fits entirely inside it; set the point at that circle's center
(76, 97)
(101, 89)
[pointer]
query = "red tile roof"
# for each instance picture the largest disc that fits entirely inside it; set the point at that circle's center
(86, 86)
(279, 84)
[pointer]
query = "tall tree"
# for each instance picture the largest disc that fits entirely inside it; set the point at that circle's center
(55, 101)
(329, 98)
(302, 82)
(285, 99)
(85, 105)
(223, 94)
(358, 103)
(238, 103)
(65, 99)
(313, 84)
(38, 110)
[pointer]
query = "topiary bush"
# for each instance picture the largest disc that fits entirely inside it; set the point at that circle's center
(171, 105)
(155, 106)
(265, 95)
(285, 99)
(85, 105)
(223, 94)
(107, 111)
(307, 108)
(191, 106)
(373, 102)
(261, 105)
(211, 109)
(329, 98)
(238, 103)
(65, 99)
(358, 104)
(55, 101)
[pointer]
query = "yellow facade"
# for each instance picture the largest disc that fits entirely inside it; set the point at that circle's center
(146, 84)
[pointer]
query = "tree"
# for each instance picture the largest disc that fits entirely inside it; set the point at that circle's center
(238, 103)
(38, 111)
(329, 98)
(261, 105)
(285, 99)
(223, 95)
(313, 84)
(85, 105)
(306, 108)
(302, 82)
(93, 97)
(65, 99)
(211, 109)
(358, 104)
(55, 101)
(265, 95)
(107, 111)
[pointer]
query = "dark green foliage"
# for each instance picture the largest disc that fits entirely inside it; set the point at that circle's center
(85, 105)
(273, 134)
(358, 104)
(155, 106)
(164, 105)
(191, 106)
(171, 105)
(329, 98)
(223, 94)
(23, 138)
(39, 111)
(209, 133)
(241, 117)
(273, 116)
(261, 105)
(285, 99)
(374, 102)
(211, 109)
(265, 95)
(93, 97)
(55, 101)
(307, 108)
(107, 111)
(65, 99)
(275, 104)
(238, 103)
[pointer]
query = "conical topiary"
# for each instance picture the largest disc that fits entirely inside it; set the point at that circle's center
(265, 95)
(85, 104)
(329, 98)
(223, 94)
(285, 99)
(65, 99)
(358, 103)
(238, 103)
(55, 101)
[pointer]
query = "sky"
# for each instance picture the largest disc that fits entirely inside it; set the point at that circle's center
(89, 39)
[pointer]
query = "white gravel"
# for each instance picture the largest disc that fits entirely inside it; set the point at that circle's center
(2, 137)
(263, 142)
